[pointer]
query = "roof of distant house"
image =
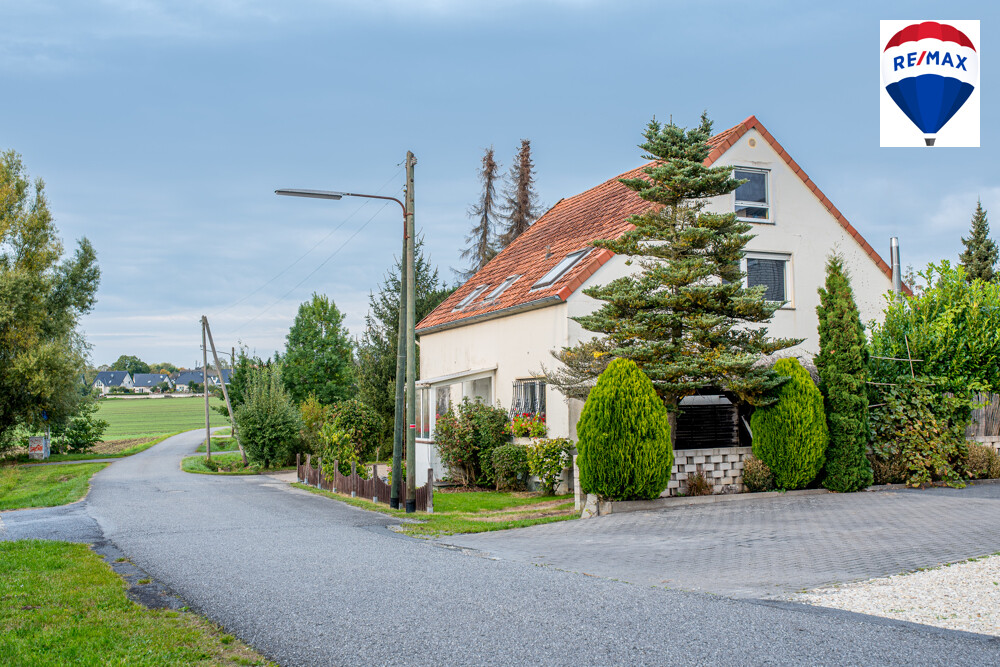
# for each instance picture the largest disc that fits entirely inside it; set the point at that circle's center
(149, 379)
(567, 229)
(111, 378)
(184, 377)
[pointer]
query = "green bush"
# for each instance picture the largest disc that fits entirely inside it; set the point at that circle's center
(510, 467)
(362, 424)
(982, 462)
(82, 432)
(547, 459)
(757, 476)
(790, 435)
(624, 444)
(923, 429)
(337, 446)
(465, 440)
(268, 421)
(313, 415)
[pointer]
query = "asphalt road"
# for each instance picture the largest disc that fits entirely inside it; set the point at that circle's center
(310, 581)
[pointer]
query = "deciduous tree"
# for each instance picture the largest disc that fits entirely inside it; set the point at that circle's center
(132, 364)
(42, 297)
(319, 354)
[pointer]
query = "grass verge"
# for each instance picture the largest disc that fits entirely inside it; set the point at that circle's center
(474, 512)
(63, 605)
(45, 486)
(114, 449)
(223, 464)
(220, 445)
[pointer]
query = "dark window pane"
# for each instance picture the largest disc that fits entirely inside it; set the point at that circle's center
(771, 274)
(751, 212)
(755, 188)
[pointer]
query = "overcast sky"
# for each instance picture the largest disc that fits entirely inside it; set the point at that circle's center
(163, 128)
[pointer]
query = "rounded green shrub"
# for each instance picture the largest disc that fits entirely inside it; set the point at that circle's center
(510, 467)
(791, 435)
(624, 449)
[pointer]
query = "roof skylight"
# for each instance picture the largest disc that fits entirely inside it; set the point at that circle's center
(495, 294)
(560, 269)
(471, 297)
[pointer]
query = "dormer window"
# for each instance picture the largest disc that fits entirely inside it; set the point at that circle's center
(471, 297)
(752, 201)
(501, 288)
(560, 269)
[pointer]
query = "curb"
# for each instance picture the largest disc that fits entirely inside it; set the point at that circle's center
(605, 507)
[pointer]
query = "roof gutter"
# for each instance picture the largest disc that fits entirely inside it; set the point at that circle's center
(544, 302)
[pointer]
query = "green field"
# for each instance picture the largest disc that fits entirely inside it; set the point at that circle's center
(149, 417)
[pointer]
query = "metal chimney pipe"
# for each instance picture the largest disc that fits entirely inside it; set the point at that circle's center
(897, 276)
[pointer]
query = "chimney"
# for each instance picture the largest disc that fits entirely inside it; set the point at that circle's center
(897, 276)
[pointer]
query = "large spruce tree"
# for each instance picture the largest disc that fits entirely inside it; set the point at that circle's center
(376, 351)
(980, 255)
(843, 370)
(686, 317)
(482, 239)
(520, 205)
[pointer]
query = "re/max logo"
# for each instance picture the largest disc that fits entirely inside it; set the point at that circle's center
(928, 58)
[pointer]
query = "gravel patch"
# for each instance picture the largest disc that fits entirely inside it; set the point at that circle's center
(961, 596)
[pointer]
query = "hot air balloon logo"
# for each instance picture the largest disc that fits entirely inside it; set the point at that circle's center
(930, 70)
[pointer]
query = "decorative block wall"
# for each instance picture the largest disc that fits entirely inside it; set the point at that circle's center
(722, 467)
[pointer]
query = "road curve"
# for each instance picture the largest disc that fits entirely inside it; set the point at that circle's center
(310, 581)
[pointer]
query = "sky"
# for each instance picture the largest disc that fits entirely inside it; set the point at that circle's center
(162, 129)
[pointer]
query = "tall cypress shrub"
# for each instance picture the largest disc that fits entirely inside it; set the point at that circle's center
(791, 435)
(624, 436)
(843, 369)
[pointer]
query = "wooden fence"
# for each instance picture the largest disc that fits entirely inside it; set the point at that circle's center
(373, 488)
(985, 420)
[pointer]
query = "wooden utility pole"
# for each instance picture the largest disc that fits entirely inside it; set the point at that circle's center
(225, 392)
(204, 374)
(399, 430)
(411, 358)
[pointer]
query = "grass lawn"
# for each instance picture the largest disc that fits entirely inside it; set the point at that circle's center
(220, 445)
(150, 417)
(473, 512)
(224, 464)
(44, 486)
(61, 605)
(114, 449)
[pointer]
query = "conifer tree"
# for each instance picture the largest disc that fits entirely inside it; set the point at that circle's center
(482, 239)
(980, 255)
(843, 370)
(520, 205)
(682, 317)
(376, 350)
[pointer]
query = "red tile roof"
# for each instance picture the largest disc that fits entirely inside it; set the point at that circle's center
(570, 225)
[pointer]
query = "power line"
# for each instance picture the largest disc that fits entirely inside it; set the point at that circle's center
(310, 250)
(314, 271)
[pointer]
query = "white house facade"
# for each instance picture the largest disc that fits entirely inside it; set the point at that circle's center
(492, 337)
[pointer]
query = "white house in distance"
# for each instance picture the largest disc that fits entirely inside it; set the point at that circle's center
(105, 380)
(491, 338)
(147, 382)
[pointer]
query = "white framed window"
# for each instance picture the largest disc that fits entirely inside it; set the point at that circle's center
(501, 288)
(753, 201)
(560, 269)
(529, 397)
(773, 271)
(471, 297)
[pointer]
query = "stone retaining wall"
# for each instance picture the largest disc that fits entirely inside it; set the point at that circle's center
(988, 440)
(722, 467)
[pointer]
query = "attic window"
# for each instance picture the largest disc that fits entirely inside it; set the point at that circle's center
(472, 297)
(495, 294)
(560, 269)
(751, 197)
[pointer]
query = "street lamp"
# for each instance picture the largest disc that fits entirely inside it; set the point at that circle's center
(405, 352)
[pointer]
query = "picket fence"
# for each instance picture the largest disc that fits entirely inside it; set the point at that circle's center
(373, 488)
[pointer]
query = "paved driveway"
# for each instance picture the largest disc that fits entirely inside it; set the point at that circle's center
(767, 547)
(310, 581)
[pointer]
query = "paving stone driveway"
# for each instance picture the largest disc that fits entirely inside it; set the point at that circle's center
(768, 547)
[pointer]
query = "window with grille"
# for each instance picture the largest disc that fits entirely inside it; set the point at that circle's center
(771, 274)
(529, 398)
